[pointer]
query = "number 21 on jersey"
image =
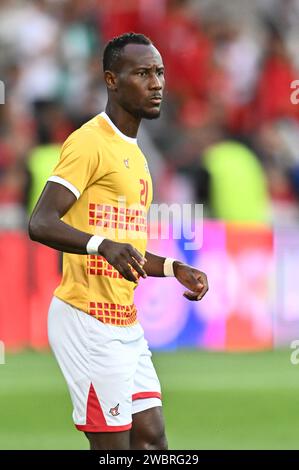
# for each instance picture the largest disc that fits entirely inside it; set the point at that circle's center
(143, 192)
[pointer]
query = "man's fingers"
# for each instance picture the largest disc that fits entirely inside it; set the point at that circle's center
(137, 255)
(204, 291)
(126, 272)
(205, 284)
(191, 295)
(195, 284)
(201, 285)
(127, 261)
(194, 280)
(137, 267)
(197, 294)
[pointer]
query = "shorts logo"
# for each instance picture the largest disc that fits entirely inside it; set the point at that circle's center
(114, 411)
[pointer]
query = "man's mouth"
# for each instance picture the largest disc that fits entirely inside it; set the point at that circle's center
(156, 99)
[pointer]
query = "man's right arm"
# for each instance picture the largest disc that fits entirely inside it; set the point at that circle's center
(46, 226)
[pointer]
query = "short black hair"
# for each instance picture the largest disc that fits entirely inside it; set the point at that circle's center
(113, 48)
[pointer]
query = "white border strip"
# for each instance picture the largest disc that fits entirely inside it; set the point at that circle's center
(67, 184)
(118, 132)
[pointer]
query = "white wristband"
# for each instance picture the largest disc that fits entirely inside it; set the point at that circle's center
(168, 267)
(93, 244)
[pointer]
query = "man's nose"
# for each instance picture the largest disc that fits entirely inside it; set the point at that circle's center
(155, 83)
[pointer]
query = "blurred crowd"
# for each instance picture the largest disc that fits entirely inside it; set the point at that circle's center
(228, 135)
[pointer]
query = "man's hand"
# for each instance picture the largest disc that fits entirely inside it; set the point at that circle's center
(196, 281)
(123, 257)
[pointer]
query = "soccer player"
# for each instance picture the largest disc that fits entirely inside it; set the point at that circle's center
(101, 186)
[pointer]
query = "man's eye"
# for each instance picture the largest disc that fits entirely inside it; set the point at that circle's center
(142, 74)
(161, 72)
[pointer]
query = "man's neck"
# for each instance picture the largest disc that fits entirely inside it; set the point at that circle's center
(123, 120)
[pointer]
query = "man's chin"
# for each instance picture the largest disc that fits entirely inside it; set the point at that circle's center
(152, 114)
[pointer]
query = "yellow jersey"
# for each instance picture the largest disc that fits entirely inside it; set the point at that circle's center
(109, 175)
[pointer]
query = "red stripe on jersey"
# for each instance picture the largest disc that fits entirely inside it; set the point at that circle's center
(94, 412)
(136, 396)
(95, 419)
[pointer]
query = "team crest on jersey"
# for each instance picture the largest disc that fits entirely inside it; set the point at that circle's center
(126, 162)
(114, 411)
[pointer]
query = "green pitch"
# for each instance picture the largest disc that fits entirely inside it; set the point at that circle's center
(211, 401)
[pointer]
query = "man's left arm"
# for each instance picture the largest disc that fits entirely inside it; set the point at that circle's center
(190, 277)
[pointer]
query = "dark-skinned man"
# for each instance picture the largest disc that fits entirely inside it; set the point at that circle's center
(93, 209)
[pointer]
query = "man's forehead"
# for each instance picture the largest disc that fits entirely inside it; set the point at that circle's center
(141, 54)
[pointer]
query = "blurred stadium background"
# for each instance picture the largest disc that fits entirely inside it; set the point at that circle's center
(228, 138)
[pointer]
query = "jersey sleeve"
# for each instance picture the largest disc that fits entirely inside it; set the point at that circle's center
(79, 165)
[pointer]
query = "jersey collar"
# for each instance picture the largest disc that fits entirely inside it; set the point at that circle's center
(132, 140)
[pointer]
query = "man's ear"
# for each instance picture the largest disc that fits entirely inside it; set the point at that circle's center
(111, 80)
